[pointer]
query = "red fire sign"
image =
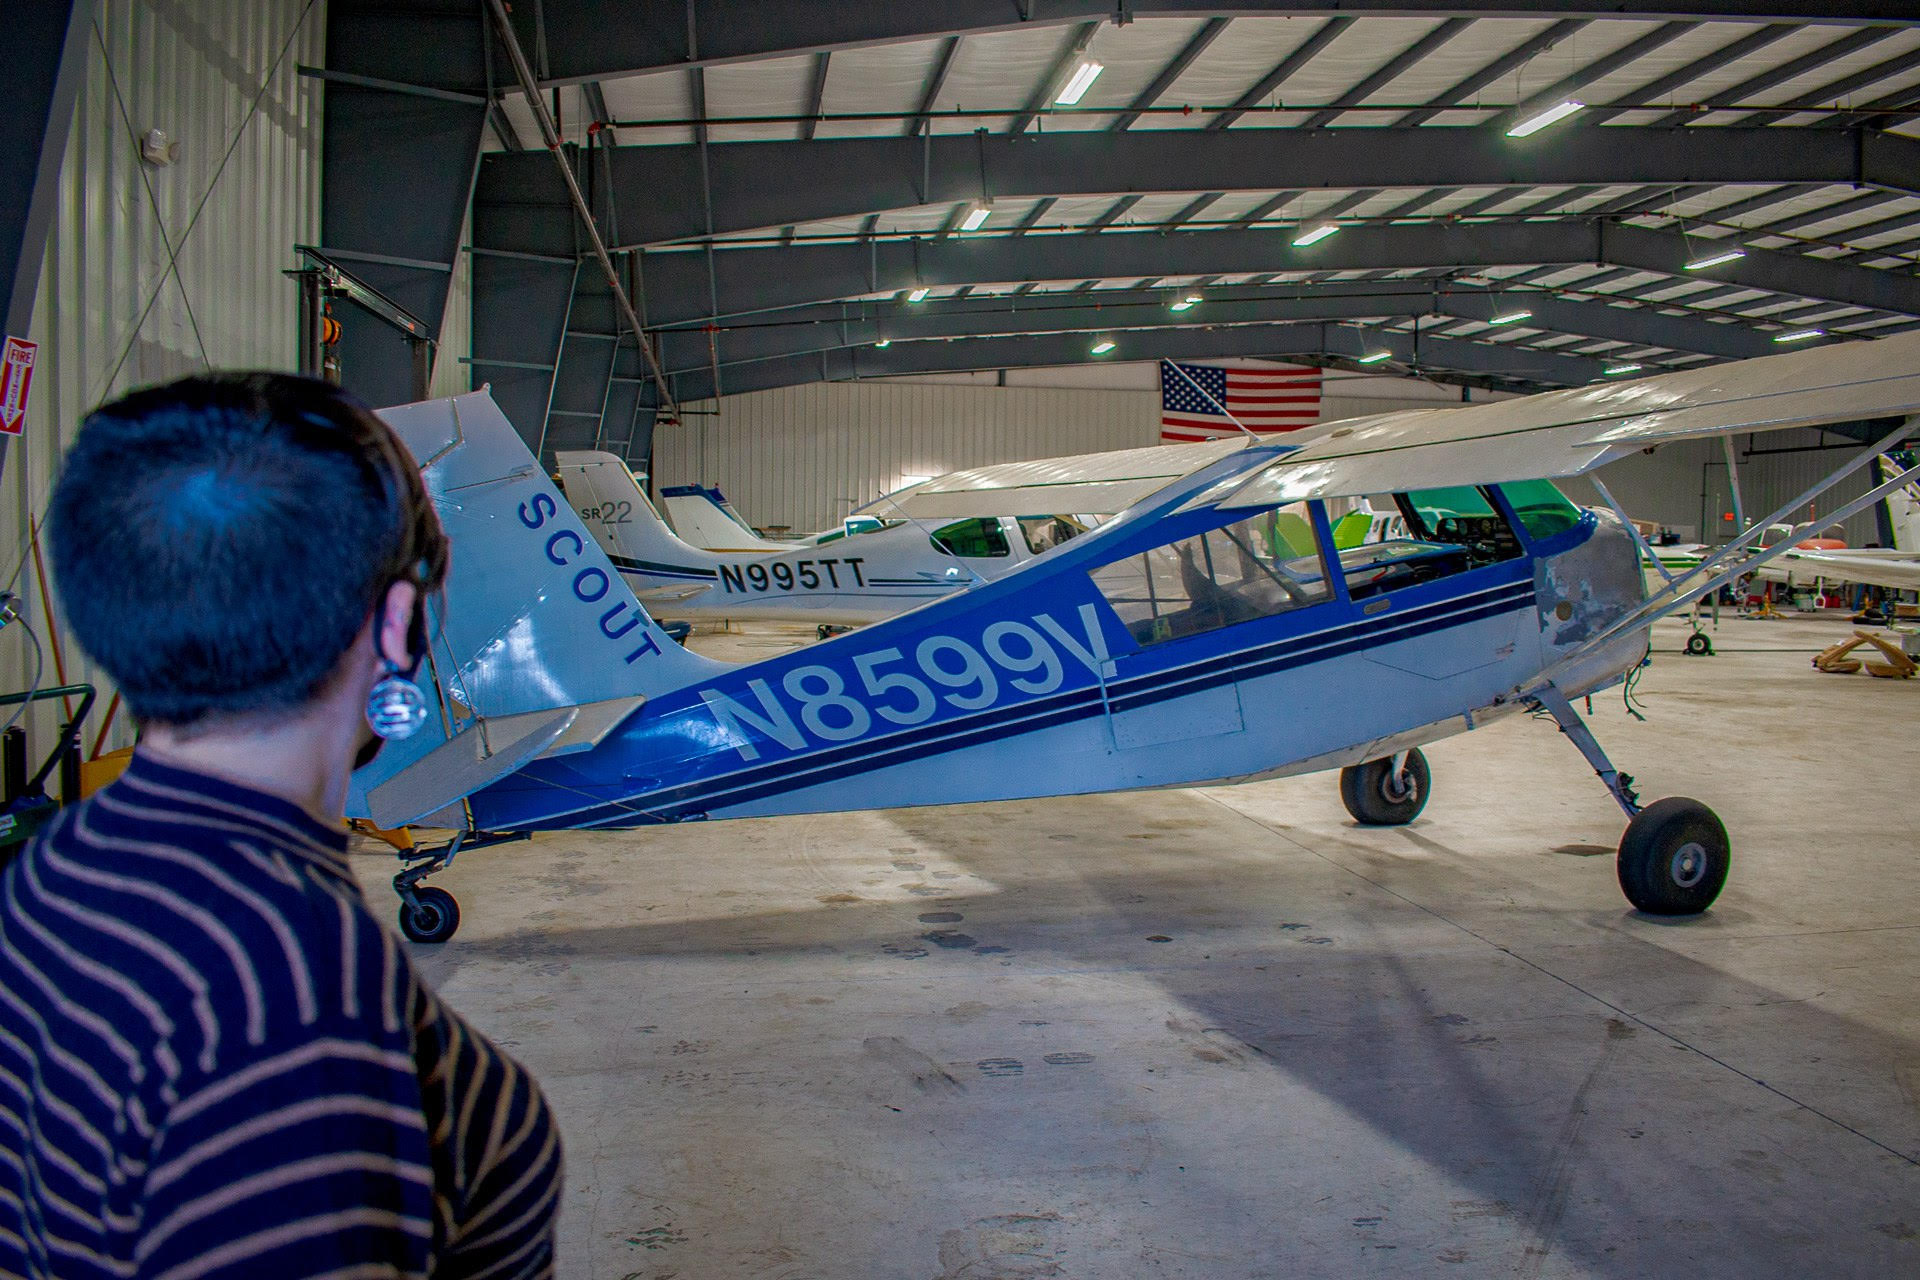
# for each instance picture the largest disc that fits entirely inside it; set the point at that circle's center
(16, 374)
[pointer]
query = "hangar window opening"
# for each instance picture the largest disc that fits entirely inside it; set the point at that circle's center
(978, 539)
(1440, 532)
(1265, 565)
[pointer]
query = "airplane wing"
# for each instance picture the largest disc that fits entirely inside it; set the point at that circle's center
(1568, 433)
(1084, 484)
(1898, 573)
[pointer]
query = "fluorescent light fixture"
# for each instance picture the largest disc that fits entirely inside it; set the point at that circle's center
(976, 216)
(907, 482)
(1615, 370)
(919, 295)
(1512, 317)
(1316, 235)
(1374, 357)
(883, 344)
(1715, 259)
(1799, 335)
(1187, 303)
(1103, 346)
(1552, 115)
(1079, 82)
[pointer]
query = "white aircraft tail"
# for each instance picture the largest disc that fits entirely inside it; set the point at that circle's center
(702, 517)
(605, 495)
(538, 647)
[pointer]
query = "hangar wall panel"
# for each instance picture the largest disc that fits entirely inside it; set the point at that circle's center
(112, 311)
(804, 456)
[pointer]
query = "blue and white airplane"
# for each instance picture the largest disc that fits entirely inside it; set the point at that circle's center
(1210, 633)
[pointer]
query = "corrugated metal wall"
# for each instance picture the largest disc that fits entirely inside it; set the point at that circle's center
(804, 456)
(113, 312)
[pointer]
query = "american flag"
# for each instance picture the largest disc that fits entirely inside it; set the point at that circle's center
(1274, 397)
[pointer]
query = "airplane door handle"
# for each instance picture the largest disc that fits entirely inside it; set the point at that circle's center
(1376, 606)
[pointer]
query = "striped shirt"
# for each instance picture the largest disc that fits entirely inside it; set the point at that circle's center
(214, 1062)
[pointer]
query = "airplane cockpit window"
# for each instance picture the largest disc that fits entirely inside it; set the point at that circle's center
(1543, 510)
(1440, 532)
(1256, 568)
(976, 539)
(1044, 533)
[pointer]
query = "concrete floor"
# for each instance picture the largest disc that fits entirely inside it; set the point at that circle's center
(1227, 1033)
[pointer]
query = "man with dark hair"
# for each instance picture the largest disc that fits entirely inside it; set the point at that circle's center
(213, 1060)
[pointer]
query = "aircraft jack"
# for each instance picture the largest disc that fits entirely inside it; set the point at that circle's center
(429, 913)
(1674, 855)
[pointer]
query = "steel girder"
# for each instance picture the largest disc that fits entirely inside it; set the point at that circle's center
(750, 280)
(834, 326)
(1441, 359)
(595, 39)
(763, 185)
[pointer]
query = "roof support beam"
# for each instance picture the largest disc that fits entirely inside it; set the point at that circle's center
(595, 39)
(816, 96)
(1208, 33)
(936, 81)
(1043, 92)
(834, 327)
(1442, 359)
(749, 280)
(1732, 51)
(1302, 54)
(1512, 60)
(1390, 71)
(761, 185)
(1849, 43)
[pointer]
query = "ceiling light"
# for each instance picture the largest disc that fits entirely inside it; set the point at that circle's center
(1316, 235)
(919, 295)
(1799, 335)
(883, 344)
(1512, 317)
(1715, 259)
(1535, 123)
(1187, 303)
(976, 216)
(1615, 370)
(1374, 357)
(1103, 346)
(1079, 82)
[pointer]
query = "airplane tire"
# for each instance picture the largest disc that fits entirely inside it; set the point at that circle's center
(1674, 858)
(1376, 799)
(1699, 645)
(434, 919)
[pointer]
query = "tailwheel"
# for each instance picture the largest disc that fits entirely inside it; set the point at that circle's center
(431, 916)
(1389, 792)
(1674, 858)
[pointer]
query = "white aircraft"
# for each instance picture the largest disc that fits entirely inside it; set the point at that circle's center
(703, 518)
(1896, 568)
(842, 578)
(1212, 632)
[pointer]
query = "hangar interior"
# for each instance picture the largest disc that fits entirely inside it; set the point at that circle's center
(809, 253)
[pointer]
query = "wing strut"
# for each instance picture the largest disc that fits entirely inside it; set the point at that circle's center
(1687, 585)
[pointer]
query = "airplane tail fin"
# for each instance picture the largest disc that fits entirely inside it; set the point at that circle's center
(704, 518)
(605, 494)
(537, 646)
(1903, 507)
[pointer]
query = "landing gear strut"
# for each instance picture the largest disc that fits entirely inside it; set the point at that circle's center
(1674, 856)
(429, 913)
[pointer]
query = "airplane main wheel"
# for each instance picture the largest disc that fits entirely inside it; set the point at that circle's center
(1699, 645)
(1376, 797)
(435, 917)
(1674, 858)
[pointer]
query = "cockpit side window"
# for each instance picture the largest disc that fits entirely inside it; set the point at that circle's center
(977, 539)
(1440, 532)
(1044, 533)
(1267, 564)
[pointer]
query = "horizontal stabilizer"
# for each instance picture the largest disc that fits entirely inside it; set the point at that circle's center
(457, 768)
